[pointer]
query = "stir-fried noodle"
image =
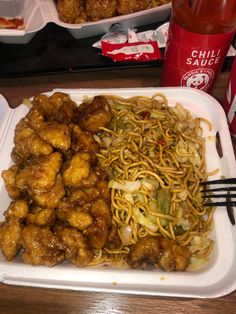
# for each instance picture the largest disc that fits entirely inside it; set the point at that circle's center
(155, 157)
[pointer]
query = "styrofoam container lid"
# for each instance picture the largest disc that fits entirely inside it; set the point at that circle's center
(10, 9)
(215, 279)
(37, 13)
(34, 20)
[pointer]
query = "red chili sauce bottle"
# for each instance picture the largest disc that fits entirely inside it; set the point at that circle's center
(200, 34)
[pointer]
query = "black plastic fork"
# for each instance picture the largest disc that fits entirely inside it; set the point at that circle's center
(208, 193)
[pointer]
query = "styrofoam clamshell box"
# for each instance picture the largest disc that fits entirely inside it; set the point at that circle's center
(37, 13)
(215, 279)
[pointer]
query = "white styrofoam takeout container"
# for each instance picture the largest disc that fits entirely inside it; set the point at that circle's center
(37, 13)
(215, 279)
(34, 19)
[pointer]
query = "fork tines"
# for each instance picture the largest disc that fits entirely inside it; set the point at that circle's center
(207, 192)
(229, 203)
(220, 181)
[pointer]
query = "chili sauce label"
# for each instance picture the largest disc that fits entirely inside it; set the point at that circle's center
(193, 60)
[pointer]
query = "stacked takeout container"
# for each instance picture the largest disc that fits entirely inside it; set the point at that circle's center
(38, 13)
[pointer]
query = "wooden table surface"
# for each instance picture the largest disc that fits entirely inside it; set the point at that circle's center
(16, 299)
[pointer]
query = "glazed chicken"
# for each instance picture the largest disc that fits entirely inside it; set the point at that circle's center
(28, 143)
(10, 238)
(39, 216)
(77, 170)
(91, 118)
(9, 177)
(77, 250)
(71, 11)
(80, 11)
(56, 134)
(98, 231)
(100, 9)
(159, 251)
(41, 246)
(52, 132)
(57, 107)
(39, 174)
(61, 201)
(17, 210)
(82, 140)
(52, 197)
(75, 215)
(130, 6)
